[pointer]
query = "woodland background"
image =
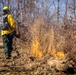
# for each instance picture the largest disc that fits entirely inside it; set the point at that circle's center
(47, 29)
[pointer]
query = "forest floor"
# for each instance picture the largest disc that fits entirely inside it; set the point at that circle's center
(25, 64)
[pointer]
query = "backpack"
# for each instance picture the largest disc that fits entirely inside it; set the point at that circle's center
(3, 25)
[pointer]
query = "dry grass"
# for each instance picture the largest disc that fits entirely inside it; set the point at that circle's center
(43, 37)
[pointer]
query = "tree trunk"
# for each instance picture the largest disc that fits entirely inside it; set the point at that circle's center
(74, 1)
(58, 11)
(66, 8)
(3, 3)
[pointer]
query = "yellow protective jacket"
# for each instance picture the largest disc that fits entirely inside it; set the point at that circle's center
(12, 24)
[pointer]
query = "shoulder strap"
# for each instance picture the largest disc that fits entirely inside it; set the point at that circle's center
(5, 19)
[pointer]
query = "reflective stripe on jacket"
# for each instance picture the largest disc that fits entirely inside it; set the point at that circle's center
(12, 24)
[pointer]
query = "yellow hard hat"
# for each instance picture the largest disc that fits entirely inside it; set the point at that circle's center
(5, 8)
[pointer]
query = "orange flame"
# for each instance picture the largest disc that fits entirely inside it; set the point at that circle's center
(36, 52)
(35, 48)
(60, 54)
(56, 54)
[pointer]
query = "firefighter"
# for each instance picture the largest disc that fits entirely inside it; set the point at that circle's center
(7, 32)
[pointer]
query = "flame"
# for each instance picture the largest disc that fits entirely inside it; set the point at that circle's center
(36, 51)
(60, 54)
(56, 54)
(35, 48)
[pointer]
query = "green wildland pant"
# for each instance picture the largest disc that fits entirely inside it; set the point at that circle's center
(7, 42)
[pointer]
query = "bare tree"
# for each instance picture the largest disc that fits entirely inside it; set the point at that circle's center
(74, 1)
(32, 9)
(58, 11)
(66, 1)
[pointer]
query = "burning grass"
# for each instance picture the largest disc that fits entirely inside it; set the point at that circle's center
(35, 47)
(51, 44)
(44, 38)
(56, 54)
